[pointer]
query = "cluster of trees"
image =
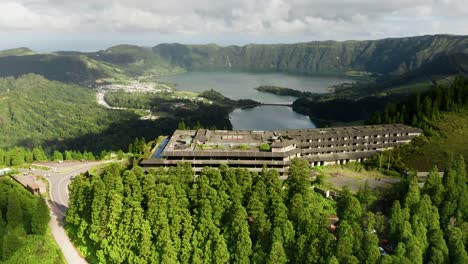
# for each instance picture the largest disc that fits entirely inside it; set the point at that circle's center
(429, 225)
(225, 215)
(278, 90)
(230, 215)
(422, 109)
(194, 114)
(18, 155)
(24, 221)
(138, 146)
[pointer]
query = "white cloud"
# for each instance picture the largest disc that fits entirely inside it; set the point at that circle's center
(260, 20)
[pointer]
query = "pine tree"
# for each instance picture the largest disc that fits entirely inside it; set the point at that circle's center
(299, 174)
(458, 254)
(434, 187)
(39, 154)
(277, 253)
(14, 214)
(413, 194)
(238, 235)
(348, 206)
(346, 243)
(220, 251)
(57, 156)
(40, 217)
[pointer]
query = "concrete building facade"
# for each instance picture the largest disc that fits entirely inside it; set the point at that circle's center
(275, 149)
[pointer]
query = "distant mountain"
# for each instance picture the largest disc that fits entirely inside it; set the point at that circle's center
(116, 63)
(135, 60)
(385, 56)
(16, 52)
(69, 69)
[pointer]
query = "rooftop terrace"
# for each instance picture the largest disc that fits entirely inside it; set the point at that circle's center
(250, 141)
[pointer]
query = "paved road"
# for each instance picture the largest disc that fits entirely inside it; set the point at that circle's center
(59, 178)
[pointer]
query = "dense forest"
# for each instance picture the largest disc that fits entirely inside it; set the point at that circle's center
(35, 111)
(342, 109)
(69, 69)
(226, 215)
(421, 110)
(442, 113)
(24, 235)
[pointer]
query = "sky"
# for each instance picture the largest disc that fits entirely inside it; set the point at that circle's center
(90, 25)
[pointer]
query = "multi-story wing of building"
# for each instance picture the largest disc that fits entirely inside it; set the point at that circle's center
(275, 149)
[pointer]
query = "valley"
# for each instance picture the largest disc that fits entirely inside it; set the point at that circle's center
(120, 102)
(233, 132)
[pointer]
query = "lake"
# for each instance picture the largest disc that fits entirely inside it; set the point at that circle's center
(268, 118)
(240, 85)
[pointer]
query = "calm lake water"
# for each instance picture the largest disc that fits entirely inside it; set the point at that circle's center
(240, 85)
(269, 118)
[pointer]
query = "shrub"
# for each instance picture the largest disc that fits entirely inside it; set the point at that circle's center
(264, 147)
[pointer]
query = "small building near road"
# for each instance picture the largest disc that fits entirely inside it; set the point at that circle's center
(31, 183)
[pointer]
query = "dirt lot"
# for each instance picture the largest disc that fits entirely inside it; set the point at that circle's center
(336, 177)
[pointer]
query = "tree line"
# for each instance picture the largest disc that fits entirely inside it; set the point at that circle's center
(18, 155)
(421, 110)
(24, 222)
(227, 215)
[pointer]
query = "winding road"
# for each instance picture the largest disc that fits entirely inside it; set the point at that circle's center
(60, 176)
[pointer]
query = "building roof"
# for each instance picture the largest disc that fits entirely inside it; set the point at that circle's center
(203, 142)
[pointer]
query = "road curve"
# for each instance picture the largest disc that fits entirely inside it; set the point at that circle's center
(59, 179)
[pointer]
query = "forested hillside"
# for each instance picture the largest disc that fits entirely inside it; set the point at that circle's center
(69, 69)
(443, 115)
(35, 111)
(394, 56)
(121, 215)
(385, 56)
(16, 52)
(135, 61)
(24, 235)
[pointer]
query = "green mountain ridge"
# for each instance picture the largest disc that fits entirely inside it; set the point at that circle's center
(134, 60)
(16, 52)
(64, 68)
(385, 56)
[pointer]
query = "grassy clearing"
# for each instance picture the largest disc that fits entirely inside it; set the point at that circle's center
(353, 176)
(452, 139)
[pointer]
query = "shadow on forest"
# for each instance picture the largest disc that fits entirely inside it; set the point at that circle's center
(118, 135)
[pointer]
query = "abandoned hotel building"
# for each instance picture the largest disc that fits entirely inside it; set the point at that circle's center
(254, 149)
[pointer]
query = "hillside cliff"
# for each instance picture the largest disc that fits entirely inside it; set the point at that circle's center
(385, 56)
